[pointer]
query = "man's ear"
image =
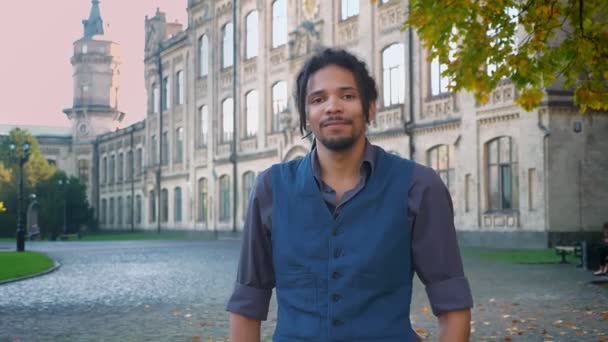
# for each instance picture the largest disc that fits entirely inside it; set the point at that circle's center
(372, 111)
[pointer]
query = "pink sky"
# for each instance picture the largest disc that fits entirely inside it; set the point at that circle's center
(37, 39)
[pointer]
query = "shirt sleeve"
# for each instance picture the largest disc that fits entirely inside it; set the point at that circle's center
(255, 276)
(435, 253)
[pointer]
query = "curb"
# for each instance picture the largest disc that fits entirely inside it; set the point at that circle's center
(56, 266)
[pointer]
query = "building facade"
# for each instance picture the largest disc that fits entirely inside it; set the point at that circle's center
(517, 178)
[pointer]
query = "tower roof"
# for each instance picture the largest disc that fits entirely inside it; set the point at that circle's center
(94, 25)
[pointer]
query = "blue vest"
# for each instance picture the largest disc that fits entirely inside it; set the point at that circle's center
(344, 278)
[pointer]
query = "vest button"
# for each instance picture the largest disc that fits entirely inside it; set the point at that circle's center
(337, 322)
(336, 275)
(336, 231)
(336, 297)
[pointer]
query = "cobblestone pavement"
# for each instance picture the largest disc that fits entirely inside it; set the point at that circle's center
(177, 290)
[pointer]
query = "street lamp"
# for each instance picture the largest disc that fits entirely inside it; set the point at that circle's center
(61, 183)
(23, 157)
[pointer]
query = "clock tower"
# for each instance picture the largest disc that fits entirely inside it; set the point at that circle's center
(96, 64)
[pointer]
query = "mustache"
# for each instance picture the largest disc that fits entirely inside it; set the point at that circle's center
(335, 119)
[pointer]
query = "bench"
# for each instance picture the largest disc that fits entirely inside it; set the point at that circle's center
(64, 237)
(563, 251)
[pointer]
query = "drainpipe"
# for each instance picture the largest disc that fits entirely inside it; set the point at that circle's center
(160, 136)
(233, 157)
(547, 133)
(408, 126)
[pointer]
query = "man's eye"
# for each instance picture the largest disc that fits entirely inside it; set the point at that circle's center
(316, 100)
(348, 96)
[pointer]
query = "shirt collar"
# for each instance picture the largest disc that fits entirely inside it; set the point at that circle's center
(369, 159)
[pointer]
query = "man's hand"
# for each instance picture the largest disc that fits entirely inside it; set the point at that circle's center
(244, 329)
(455, 326)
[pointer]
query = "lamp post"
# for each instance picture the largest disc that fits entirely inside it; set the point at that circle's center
(63, 184)
(22, 157)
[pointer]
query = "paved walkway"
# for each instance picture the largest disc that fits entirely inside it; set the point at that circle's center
(176, 291)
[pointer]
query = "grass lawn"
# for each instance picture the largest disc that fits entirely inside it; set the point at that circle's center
(14, 264)
(516, 256)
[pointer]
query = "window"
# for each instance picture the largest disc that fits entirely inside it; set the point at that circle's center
(502, 180)
(130, 165)
(251, 112)
(129, 210)
(83, 171)
(166, 94)
(119, 207)
(111, 214)
(177, 204)
(155, 98)
(227, 120)
(138, 209)
(468, 192)
(164, 202)
(203, 205)
(224, 198)
(204, 122)
(104, 169)
(179, 88)
(393, 74)
(203, 55)
(439, 83)
(165, 149)
(152, 209)
(179, 145)
(121, 167)
(279, 103)
(227, 48)
(279, 23)
(104, 211)
(248, 182)
(251, 39)
(349, 8)
(112, 168)
(441, 159)
(153, 151)
(140, 161)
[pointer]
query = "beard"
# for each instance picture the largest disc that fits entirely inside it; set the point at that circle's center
(338, 144)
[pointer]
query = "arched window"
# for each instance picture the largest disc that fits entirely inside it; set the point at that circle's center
(204, 125)
(152, 208)
(177, 204)
(129, 213)
(393, 74)
(227, 48)
(225, 198)
(203, 205)
(203, 55)
(104, 211)
(164, 203)
(112, 168)
(179, 88)
(166, 94)
(439, 83)
(179, 145)
(155, 98)
(119, 207)
(252, 113)
(227, 120)
(279, 103)
(121, 167)
(248, 182)
(442, 159)
(251, 42)
(349, 8)
(279, 23)
(501, 171)
(138, 209)
(104, 169)
(111, 213)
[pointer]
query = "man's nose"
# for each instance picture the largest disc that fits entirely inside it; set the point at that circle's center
(333, 105)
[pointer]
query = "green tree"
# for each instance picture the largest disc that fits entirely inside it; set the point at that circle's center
(563, 43)
(36, 169)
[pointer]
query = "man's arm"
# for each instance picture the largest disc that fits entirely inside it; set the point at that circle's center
(436, 256)
(250, 299)
(244, 329)
(455, 326)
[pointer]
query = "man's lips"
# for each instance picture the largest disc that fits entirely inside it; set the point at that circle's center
(335, 123)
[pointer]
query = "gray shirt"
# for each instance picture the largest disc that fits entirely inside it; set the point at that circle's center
(435, 254)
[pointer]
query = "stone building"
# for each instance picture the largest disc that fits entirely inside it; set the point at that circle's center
(517, 178)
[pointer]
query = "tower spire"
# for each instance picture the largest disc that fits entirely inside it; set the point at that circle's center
(93, 25)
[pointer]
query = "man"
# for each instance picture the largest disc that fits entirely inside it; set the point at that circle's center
(341, 231)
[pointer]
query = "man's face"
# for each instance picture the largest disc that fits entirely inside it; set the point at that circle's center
(333, 107)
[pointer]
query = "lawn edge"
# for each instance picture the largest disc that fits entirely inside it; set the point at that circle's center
(56, 266)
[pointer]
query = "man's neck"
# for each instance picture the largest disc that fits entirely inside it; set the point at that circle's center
(345, 165)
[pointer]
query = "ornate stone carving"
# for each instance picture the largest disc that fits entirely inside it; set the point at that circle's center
(348, 32)
(438, 107)
(250, 69)
(305, 39)
(277, 56)
(310, 9)
(223, 8)
(248, 145)
(387, 118)
(498, 118)
(226, 78)
(391, 17)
